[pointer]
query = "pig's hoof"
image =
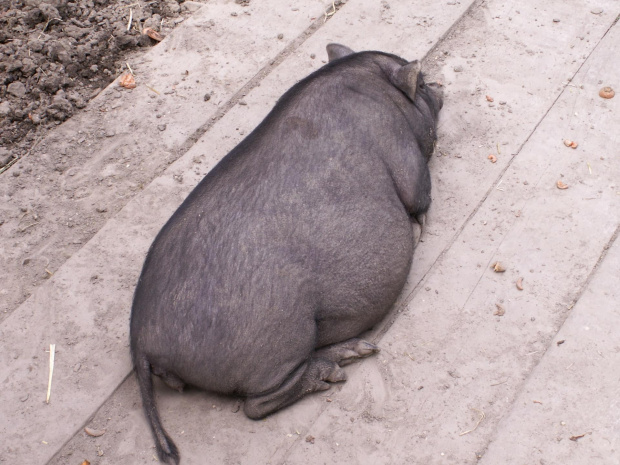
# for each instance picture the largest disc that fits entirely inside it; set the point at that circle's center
(365, 348)
(347, 352)
(336, 375)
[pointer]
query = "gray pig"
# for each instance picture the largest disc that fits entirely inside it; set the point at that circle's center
(298, 241)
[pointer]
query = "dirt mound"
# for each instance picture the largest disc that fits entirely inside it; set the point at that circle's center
(57, 55)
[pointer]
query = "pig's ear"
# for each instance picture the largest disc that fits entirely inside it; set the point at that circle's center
(335, 51)
(406, 78)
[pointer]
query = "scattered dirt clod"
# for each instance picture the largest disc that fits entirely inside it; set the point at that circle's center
(489, 98)
(571, 143)
(561, 185)
(500, 310)
(560, 342)
(310, 439)
(493, 158)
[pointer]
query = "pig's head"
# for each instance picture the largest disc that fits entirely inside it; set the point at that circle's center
(409, 79)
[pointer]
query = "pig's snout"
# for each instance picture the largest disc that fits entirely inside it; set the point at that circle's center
(437, 89)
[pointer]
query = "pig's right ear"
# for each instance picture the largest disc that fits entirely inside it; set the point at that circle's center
(335, 51)
(406, 78)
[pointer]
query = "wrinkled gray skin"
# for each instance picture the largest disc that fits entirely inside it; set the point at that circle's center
(298, 241)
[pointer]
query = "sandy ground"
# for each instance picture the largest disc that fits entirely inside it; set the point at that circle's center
(472, 368)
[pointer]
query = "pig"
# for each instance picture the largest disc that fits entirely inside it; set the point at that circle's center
(293, 245)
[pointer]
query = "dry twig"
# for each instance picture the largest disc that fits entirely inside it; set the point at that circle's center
(482, 417)
(49, 383)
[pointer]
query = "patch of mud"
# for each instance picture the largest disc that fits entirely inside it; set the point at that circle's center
(56, 55)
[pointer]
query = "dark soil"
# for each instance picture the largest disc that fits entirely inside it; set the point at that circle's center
(56, 55)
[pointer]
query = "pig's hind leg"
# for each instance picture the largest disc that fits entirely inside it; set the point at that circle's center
(315, 374)
(171, 380)
(323, 367)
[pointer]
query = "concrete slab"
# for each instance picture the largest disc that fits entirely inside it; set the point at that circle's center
(567, 411)
(574, 389)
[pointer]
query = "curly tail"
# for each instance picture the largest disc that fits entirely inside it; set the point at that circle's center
(166, 450)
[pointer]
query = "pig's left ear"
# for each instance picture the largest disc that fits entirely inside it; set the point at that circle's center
(406, 78)
(335, 51)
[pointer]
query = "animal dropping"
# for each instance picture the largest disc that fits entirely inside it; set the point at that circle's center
(293, 245)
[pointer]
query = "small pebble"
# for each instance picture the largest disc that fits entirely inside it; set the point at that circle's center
(207, 97)
(161, 127)
(24, 398)
(458, 69)
(596, 11)
(280, 36)
(556, 20)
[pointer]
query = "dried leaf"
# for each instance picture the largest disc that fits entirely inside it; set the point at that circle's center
(561, 185)
(606, 92)
(493, 158)
(95, 433)
(498, 268)
(500, 310)
(153, 34)
(127, 81)
(520, 284)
